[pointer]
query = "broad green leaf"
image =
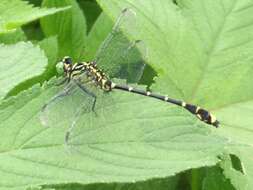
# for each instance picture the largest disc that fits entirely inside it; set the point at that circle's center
(69, 26)
(128, 138)
(216, 180)
(19, 62)
(195, 177)
(229, 53)
(136, 138)
(13, 37)
(239, 173)
(99, 31)
(202, 52)
(91, 11)
(160, 184)
(15, 13)
(35, 2)
(33, 31)
(50, 47)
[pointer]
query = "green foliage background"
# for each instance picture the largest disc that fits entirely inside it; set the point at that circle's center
(199, 50)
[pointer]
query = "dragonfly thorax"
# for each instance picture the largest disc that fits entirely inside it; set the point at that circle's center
(97, 75)
(90, 69)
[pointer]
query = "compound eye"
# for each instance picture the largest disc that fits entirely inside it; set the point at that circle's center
(67, 60)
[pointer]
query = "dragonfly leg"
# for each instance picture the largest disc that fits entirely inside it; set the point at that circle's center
(61, 82)
(61, 94)
(64, 92)
(81, 110)
(73, 124)
(83, 88)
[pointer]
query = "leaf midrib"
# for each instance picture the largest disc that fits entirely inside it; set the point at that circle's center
(211, 51)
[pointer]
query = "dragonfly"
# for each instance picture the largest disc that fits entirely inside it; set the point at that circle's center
(100, 79)
(120, 55)
(82, 73)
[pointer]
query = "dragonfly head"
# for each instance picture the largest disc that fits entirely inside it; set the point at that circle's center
(64, 66)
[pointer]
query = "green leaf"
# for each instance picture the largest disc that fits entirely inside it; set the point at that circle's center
(33, 31)
(216, 180)
(202, 53)
(19, 62)
(15, 13)
(35, 2)
(239, 168)
(228, 34)
(210, 41)
(50, 47)
(69, 26)
(161, 184)
(91, 11)
(135, 138)
(99, 31)
(13, 37)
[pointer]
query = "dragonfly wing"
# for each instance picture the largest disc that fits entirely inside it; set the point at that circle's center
(134, 57)
(65, 104)
(121, 55)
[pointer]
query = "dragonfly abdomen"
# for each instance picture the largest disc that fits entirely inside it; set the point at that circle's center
(201, 113)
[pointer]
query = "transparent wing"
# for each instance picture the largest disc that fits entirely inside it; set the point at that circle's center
(134, 57)
(121, 55)
(76, 99)
(91, 121)
(65, 105)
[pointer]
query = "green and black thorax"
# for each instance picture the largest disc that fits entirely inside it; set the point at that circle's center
(90, 70)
